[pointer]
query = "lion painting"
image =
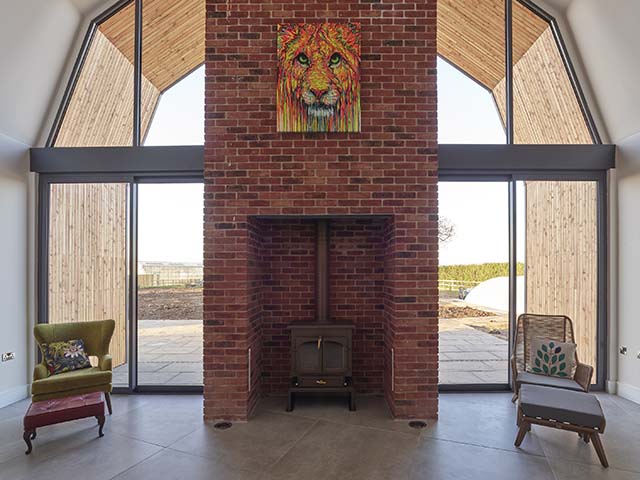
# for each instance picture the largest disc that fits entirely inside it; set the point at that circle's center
(318, 77)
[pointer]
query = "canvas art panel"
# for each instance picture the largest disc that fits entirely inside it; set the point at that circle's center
(318, 77)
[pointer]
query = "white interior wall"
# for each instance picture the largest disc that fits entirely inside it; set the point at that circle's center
(13, 274)
(608, 42)
(35, 40)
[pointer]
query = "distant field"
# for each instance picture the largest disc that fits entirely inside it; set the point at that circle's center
(478, 272)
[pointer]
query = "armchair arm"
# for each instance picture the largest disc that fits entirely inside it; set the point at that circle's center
(104, 362)
(40, 372)
(583, 375)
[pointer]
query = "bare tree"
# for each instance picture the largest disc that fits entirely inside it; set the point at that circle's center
(446, 230)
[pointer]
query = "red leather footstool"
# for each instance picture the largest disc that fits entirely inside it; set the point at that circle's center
(58, 410)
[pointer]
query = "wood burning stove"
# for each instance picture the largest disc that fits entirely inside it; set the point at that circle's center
(321, 350)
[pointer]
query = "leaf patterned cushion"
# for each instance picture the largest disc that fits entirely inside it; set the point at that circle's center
(551, 358)
(63, 357)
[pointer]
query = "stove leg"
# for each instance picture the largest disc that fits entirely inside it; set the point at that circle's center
(352, 401)
(290, 401)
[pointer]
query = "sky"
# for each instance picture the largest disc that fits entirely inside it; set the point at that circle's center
(170, 216)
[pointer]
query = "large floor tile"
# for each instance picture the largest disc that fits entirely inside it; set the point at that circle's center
(253, 446)
(372, 411)
(565, 470)
(173, 465)
(621, 444)
(162, 421)
(76, 453)
(338, 451)
(487, 420)
(444, 460)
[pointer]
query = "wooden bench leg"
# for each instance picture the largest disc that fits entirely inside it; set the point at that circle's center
(524, 428)
(597, 444)
(107, 397)
(100, 419)
(29, 435)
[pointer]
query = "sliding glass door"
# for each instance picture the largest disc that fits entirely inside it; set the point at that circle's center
(169, 274)
(529, 243)
(474, 282)
(558, 225)
(87, 261)
(125, 249)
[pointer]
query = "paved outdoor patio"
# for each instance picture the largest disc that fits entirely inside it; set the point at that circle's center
(169, 353)
(469, 355)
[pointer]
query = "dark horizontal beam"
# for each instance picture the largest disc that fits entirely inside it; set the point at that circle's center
(520, 158)
(452, 158)
(162, 159)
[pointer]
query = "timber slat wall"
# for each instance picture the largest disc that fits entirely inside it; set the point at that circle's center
(562, 256)
(545, 108)
(173, 34)
(88, 257)
(100, 113)
(471, 36)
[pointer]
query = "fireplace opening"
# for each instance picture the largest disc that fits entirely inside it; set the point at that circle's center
(321, 293)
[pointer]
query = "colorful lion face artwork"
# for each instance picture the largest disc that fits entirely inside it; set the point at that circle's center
(318, 77)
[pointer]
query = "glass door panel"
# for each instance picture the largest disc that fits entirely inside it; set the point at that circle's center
(87, 261)
(474, 282)
(559, 223)
(170, 245)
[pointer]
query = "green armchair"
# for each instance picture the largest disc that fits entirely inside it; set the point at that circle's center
(96, 336)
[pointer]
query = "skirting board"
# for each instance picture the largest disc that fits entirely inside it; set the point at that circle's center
(13, 395)
(629, 392)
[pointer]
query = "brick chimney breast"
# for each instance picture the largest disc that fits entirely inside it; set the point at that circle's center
(263, 189)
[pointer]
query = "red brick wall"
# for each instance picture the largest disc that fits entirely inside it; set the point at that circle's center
(390, 168)
(356, 287)
(288, 289)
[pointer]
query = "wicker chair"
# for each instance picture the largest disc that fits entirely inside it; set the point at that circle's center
(554, 327)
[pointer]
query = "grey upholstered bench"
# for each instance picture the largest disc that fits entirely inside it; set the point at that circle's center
(564, 409)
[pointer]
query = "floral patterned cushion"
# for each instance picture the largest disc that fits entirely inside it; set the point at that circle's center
(63, 357)
(552, 358)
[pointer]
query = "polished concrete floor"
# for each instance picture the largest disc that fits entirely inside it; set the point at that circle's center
(163, 437)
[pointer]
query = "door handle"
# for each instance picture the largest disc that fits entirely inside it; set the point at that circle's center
(321, 382)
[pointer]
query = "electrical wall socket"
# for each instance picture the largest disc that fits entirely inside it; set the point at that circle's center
(623, 350)
(8, 356)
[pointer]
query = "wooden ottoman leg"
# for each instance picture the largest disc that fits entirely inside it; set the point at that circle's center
(107, 397)
(27, 436)
(524, 428)
(100, 419)
(597, 444)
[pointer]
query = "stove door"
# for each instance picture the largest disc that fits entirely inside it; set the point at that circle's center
(335, 355)
(308, 357)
